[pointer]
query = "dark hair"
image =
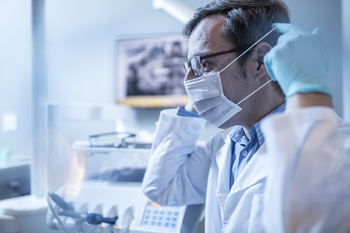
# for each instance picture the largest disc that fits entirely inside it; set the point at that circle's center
(246, 20)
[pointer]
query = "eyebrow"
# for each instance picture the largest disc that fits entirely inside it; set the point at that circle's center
(201, 54)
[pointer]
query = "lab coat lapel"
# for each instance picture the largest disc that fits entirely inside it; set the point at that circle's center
(223, 161)
(255, 170)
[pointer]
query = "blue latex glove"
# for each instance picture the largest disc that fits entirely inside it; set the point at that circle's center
(299, 61)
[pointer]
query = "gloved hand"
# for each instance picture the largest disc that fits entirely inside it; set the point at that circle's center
(299, 61)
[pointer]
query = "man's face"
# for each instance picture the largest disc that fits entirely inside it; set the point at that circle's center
(206, 39)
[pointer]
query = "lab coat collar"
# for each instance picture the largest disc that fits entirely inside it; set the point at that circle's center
(254, 171)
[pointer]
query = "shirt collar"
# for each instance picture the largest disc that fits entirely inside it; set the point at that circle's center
(237, 135)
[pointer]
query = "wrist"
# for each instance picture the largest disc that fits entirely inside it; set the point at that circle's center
(308, 86)
(304, 100)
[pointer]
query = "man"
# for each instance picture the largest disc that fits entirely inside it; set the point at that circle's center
(252, 177)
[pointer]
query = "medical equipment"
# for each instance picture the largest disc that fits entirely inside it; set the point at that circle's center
(109, 198)
(68, 211)
(94, 174)
(14, 179)
(24, 214)
(19, 211)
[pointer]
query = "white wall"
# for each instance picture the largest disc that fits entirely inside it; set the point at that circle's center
(15, 74)
(326, 15)
(79, 50)
(346, 57)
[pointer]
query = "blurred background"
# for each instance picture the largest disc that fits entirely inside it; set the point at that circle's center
(64, 51)
(64, 73)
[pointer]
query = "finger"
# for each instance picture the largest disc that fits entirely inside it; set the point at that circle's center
(268, 58)
(317, 32)
(285, 27)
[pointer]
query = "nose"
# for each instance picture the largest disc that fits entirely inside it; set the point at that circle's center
(189, 75)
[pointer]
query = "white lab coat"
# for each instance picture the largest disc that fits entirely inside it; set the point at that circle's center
(275, 192)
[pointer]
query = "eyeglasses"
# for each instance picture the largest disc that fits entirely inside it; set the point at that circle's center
(196, 62)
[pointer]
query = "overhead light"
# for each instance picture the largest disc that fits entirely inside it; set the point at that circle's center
(174, 8)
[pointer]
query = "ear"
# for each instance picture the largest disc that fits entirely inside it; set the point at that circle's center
(258, 59)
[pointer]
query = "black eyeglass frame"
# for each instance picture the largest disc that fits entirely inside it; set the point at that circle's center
(187, 64)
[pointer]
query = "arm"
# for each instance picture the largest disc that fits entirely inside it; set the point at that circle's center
(178, 168)
(308, 185)
(304, 100)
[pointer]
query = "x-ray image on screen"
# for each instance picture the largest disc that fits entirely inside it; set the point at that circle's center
(150, 71)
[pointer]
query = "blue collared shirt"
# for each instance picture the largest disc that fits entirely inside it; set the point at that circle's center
(244, 149)
(181, 111)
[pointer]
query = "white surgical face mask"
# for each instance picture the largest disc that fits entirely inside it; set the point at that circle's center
(207, 96)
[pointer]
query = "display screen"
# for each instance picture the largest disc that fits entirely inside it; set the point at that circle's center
(161, 217)
(150, 72)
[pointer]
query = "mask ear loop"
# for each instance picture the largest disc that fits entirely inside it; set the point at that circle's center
(268, 33)
(254, 92)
